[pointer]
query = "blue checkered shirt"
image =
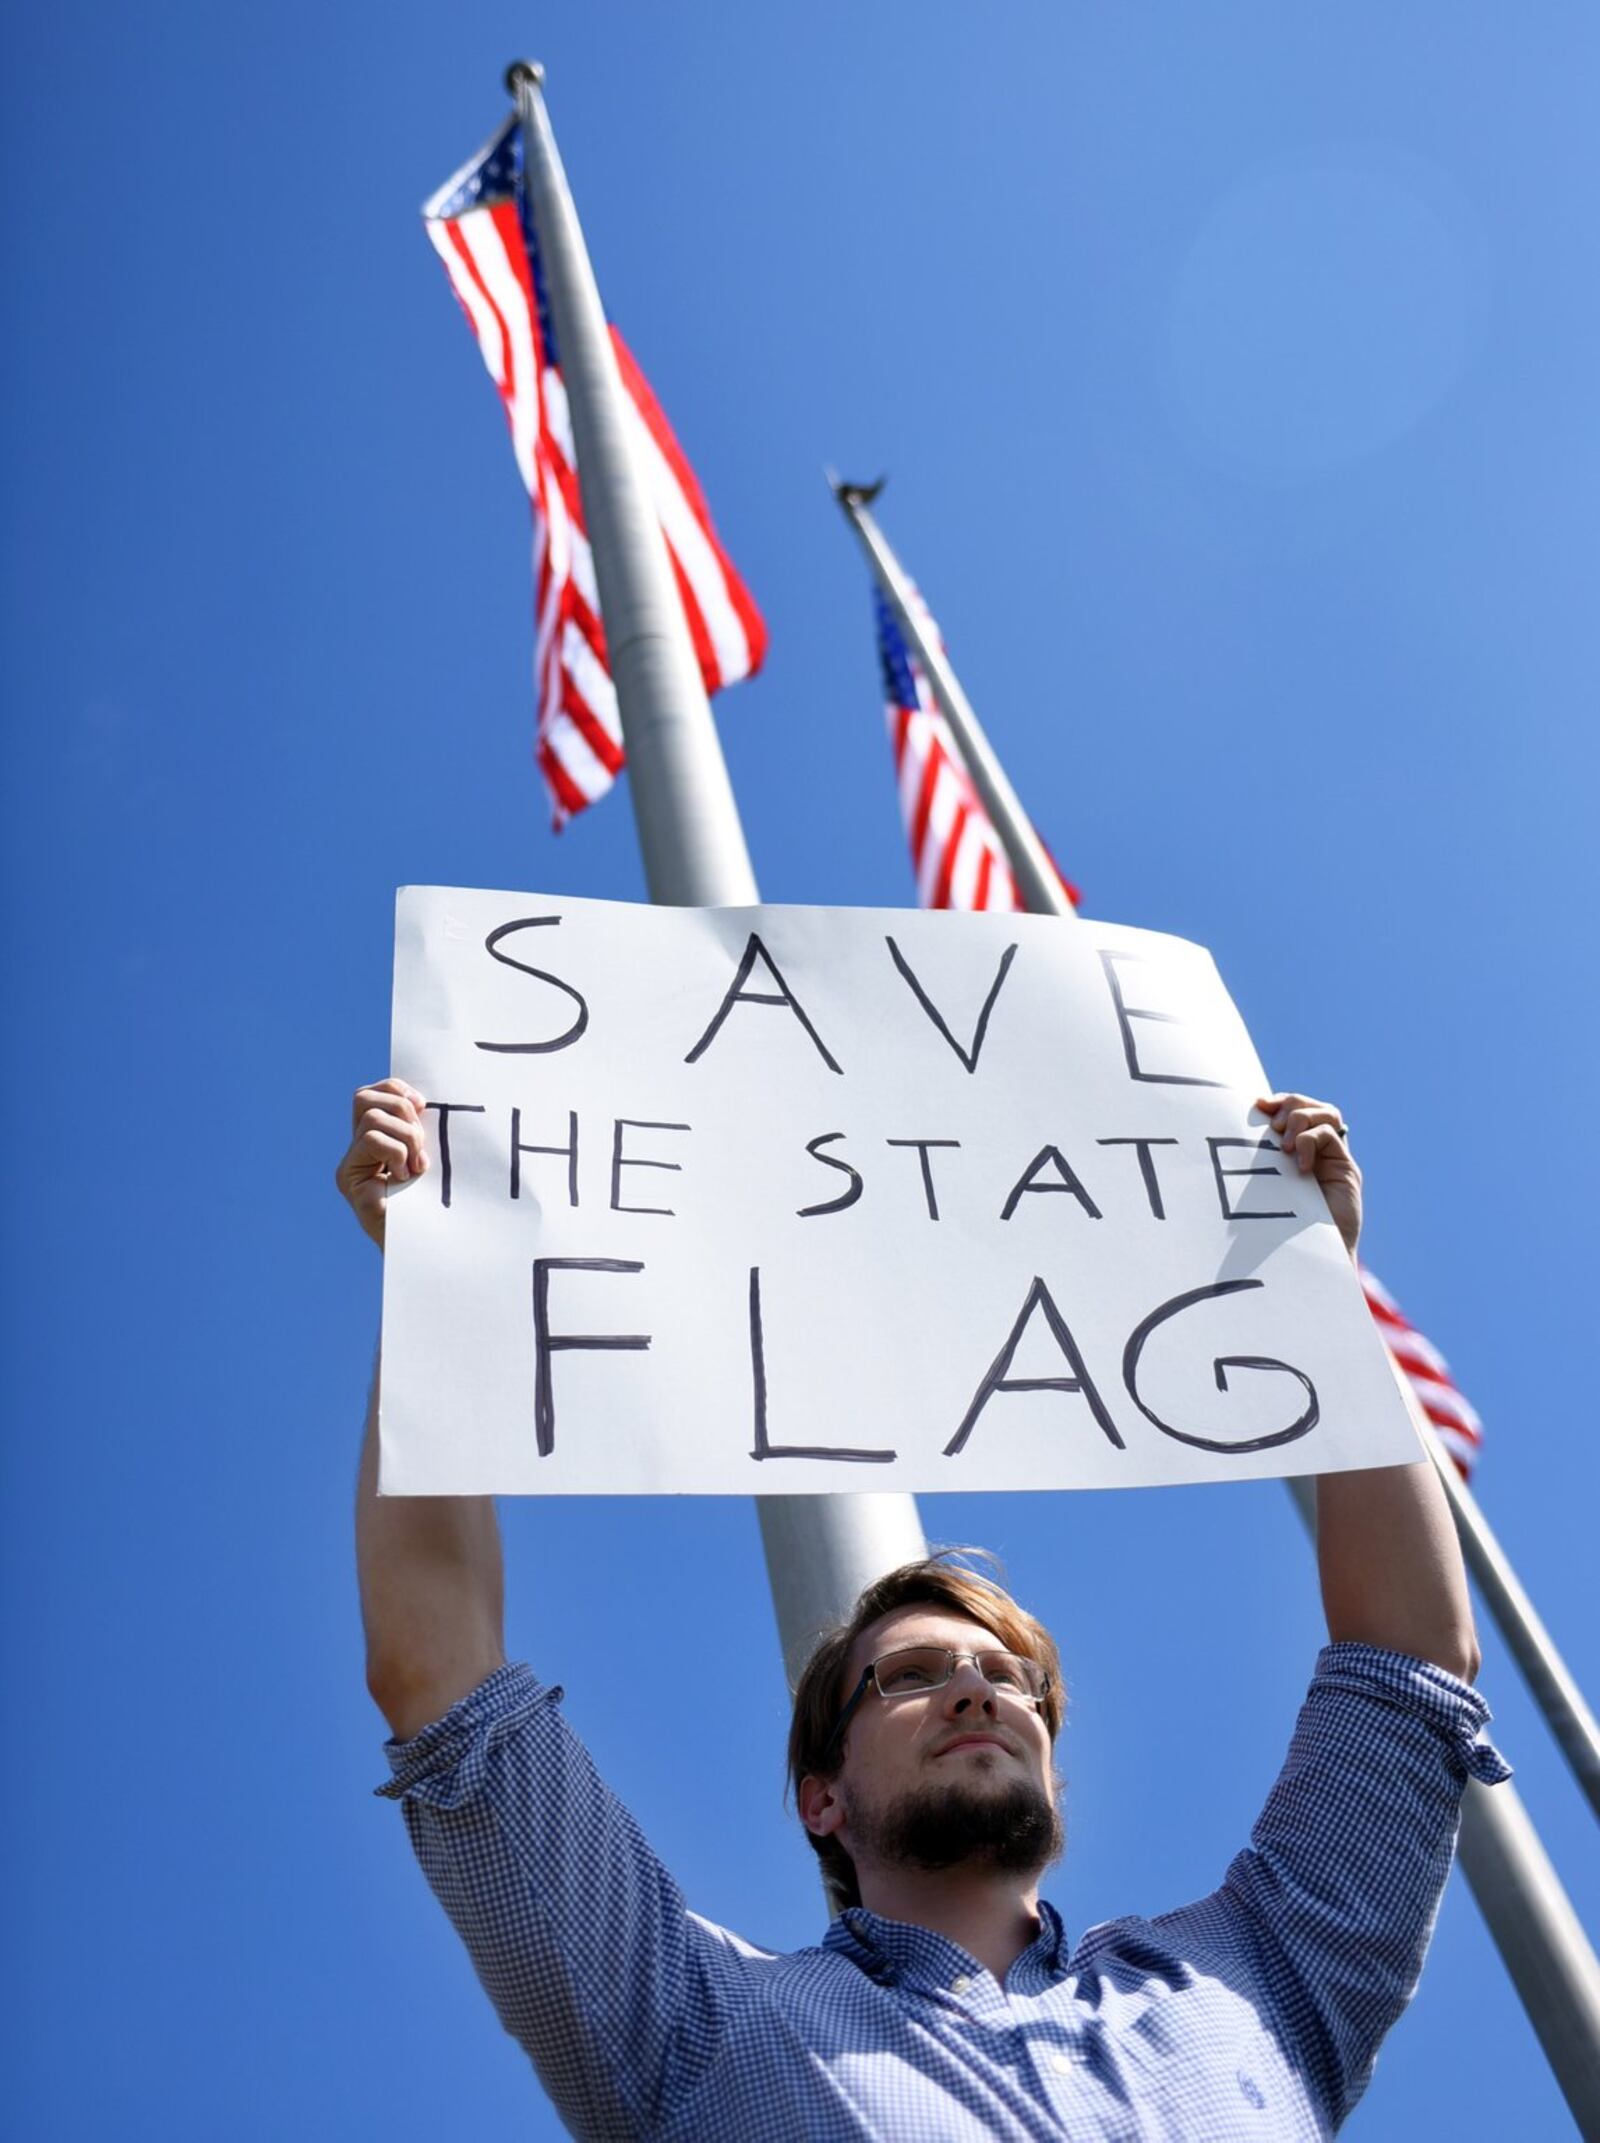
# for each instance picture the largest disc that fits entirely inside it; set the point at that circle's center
(1255, 2013)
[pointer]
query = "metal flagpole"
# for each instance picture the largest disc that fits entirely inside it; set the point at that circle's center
(1539, 1937)
(820, 1550)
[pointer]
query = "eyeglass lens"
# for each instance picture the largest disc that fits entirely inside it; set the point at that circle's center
(921, 1667)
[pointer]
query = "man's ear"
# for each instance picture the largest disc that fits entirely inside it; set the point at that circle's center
(821, 1809)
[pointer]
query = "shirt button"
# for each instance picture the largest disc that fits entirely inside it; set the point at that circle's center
(1061, 2063)
(960, 1984)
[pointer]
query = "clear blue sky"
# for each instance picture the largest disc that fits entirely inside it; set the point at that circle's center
(1236, 370)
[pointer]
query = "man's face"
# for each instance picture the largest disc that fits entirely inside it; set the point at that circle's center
(950, 1775)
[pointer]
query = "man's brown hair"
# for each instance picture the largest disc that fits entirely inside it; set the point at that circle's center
(940, 1580)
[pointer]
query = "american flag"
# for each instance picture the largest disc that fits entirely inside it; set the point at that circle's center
(959, 863)
(480, 230)
(1426, 1372)
(956, 854)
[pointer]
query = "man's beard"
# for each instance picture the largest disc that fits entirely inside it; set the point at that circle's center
(1013, 1830)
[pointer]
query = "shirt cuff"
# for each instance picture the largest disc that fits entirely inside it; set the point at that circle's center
(1453, 1708)
(445, 1763)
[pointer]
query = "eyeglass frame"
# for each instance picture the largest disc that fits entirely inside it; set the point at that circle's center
(869, 1680)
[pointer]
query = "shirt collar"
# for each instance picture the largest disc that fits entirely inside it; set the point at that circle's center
(894, 1950)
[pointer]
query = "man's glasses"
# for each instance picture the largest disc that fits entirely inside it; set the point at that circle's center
(921, 1667)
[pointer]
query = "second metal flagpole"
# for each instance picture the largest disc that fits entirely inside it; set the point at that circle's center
(820, 1550)
(1551, 1681)
(1540, 1939)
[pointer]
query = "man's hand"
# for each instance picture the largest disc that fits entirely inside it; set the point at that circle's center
(385, 1147)
(1316, 1138)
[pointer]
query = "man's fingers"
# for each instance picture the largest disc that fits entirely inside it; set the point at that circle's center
(1321, 1146)
(379, 1152)
(1310, 1117)
(387, 1130)
(1313, 1134)
(393, 1094)
(386, 1146)
(1281, 1106)
(1290, 1114)
(386, 1094)
(386, 1140)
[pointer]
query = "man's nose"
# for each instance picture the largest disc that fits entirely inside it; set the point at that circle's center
(967, 1687)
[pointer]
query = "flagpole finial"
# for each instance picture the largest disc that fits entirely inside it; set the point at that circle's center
(520, 71)
(853, 494)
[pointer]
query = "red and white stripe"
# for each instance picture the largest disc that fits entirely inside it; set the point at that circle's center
(579, 737)
(955, 853)
(1428, 1375)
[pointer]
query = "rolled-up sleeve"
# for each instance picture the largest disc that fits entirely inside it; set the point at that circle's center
(1334, 1902)
(580, 1937)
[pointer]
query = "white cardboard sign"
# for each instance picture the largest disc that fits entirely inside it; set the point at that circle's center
(787, 1200)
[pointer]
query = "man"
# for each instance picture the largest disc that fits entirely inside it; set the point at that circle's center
(943, 2002)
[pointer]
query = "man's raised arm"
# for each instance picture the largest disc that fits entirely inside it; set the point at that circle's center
(1391, 1566)
(1335, 1898)
(432, 1582)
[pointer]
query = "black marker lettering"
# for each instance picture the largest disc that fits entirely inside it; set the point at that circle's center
(546, 1342)
(758, 1380)
(1068, 1182)
(996, 1380)
(1127, 1014)
(1251, 1145)
(922, 1145)
(1303, 1423)
(620, 1161)
(445, 1110)
(491, 945)
(738, 994)
(969, 1057)
(570, 1149)
(828, 1160)
(1147, 1167)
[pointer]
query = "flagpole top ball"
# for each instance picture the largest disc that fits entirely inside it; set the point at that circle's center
(521, 71)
